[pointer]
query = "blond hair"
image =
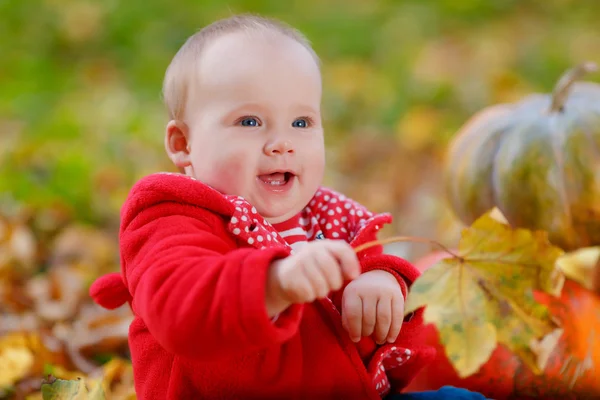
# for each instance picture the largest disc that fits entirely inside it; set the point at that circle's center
(178, 75)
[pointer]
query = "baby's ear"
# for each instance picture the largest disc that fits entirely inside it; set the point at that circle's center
(176, 143)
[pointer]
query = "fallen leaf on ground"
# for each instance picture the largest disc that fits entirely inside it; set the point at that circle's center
(57, 294)
(17, 248)
(59, 389)
(16, 360)
(485, 295)
(95, 252)
(25, 354)
(96, 331)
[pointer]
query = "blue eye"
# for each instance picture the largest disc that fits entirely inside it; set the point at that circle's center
(300, 123)
(249, 121)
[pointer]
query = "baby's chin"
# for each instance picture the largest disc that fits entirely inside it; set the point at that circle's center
(275, 215)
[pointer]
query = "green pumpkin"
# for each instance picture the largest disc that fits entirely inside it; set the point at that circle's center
(537, 160)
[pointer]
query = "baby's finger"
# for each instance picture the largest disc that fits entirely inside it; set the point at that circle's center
(397, 318)
(297, 287)
(347, 259)
(317, 281)
(369, 315)
(330, 270)
(383, 321)
(352, 315)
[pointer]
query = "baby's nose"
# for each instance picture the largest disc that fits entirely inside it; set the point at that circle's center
(279, 147)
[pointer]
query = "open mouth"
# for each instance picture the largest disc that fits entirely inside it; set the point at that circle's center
(277, 179)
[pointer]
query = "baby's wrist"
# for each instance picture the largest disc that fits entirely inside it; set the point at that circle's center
(381, 273)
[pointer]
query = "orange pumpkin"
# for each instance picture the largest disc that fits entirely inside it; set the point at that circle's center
(537, 160)
(505, 377)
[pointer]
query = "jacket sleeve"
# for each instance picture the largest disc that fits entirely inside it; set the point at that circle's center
(198, 294)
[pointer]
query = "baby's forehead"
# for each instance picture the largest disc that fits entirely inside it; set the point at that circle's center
(244, 55)
(243, 47)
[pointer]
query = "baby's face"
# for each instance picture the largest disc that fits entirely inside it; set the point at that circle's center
(255, 123)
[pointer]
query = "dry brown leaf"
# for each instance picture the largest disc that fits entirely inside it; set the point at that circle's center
(13, 296)
(58, 294)
(25, 355)
(93, 251)
(17, 248)
(95, 331)
(25, 322)
(117, 379)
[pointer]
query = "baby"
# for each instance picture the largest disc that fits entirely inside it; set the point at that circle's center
(241, 270)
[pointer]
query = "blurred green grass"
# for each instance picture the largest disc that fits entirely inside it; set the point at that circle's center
(81, 116)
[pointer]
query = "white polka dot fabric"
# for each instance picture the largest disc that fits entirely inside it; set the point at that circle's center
(386, 359)
(328, 214)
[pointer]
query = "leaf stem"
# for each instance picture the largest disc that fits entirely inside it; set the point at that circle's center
(397, 239)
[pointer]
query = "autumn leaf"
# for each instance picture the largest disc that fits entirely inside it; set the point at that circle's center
(16, 360)
(60, 389)
(95, 331)
(17, 247)
(485, 295)
(580, 265)
(97, 392)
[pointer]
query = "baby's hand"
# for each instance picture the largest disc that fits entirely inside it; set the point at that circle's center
(317, 269)
(373, 302)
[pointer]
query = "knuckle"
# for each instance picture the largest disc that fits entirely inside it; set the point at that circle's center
(323, 292)
(369, 321)
(352, 290)
(384, 319)
(353, 314)
(368, 329)
(307, 294)
(300, 289)
(336, 284)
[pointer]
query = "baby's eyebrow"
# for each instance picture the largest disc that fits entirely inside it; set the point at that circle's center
(246, 107)
(303, 108)
(249, 105)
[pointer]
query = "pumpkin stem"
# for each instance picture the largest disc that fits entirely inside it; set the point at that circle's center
(396, 239)
(563, 86)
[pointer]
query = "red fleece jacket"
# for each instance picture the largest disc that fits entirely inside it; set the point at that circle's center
(196, 283)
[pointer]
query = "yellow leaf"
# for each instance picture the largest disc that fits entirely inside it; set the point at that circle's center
(19, 356)
(579, 265)
(97, 392)
(64, 373)
(485, 295)
(16, 362)
(117, 379)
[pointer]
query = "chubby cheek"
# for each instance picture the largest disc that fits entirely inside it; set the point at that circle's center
(314, 169)
(227, 171)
